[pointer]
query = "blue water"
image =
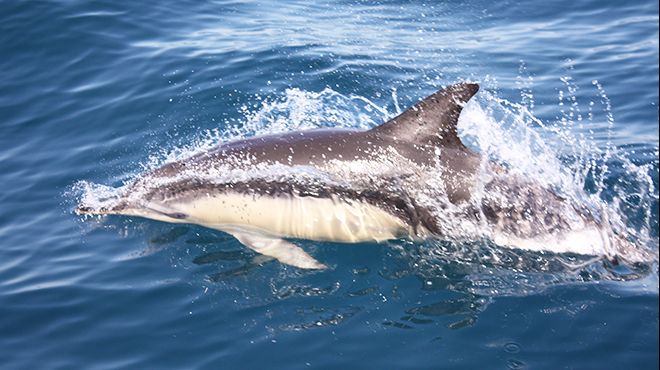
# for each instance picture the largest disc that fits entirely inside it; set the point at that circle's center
(97, 91)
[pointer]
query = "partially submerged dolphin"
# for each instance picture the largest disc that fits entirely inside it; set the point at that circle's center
(358, 186)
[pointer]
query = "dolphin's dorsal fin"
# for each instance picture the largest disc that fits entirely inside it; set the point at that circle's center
(433, 120)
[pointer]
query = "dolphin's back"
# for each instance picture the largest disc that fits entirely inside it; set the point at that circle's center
(416, 135)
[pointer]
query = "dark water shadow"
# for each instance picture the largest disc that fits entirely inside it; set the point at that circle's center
(464, 278)
(477, 273)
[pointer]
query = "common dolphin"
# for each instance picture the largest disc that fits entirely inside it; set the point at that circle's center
(357, 186)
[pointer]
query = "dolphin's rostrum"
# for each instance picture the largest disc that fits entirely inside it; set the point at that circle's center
(355, 186)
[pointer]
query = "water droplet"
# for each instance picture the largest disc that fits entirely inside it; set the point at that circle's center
(512, 347)
(515, 364)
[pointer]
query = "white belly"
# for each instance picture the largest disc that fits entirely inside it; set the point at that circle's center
(295, 217)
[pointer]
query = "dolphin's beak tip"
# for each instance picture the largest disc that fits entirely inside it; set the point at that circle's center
(82, 210)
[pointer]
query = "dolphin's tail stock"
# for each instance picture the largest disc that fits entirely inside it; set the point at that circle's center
(619, 246)
(622, 249)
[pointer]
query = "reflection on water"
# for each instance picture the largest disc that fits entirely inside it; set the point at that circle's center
(434, 283)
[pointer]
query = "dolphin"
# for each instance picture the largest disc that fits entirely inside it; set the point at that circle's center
(353, 186)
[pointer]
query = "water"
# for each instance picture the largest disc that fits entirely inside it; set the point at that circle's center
(100, 91)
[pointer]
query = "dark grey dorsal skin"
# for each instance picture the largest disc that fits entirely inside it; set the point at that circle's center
(424, 134)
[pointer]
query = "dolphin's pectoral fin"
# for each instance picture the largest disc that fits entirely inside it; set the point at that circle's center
(280, 249)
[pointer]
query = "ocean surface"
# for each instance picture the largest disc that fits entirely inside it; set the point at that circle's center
(94, 93)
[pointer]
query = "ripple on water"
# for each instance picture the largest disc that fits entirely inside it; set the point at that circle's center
(100, 91)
